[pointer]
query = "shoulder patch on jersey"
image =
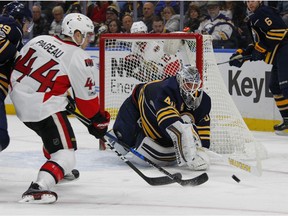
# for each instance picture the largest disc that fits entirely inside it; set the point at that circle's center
(89, 62)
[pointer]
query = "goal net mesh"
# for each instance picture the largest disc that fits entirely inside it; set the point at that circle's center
(129, 59)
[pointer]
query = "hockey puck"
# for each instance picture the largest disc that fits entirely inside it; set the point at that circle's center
(76, 173)
(236, 178)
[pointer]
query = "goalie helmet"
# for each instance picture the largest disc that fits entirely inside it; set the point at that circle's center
(77, 22)
(189, 82)
(139, 27)
(17, 10)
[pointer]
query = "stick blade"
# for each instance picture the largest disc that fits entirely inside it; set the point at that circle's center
(162, 180)
(201, 179)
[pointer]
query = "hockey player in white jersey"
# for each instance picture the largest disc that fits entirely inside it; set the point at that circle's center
(45, 71)
(149, 58)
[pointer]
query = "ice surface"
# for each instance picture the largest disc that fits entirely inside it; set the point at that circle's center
(107, 186)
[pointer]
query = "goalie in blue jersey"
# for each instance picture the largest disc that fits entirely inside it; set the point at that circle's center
(167, 120)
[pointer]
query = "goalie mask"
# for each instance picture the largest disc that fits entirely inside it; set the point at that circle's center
(77, 22)
(190, 86)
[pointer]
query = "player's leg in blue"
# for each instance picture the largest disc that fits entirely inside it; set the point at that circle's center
(279, 88)
(127, 125)
(4, 137)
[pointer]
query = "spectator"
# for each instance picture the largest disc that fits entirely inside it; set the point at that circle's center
(55, 27)
(97, 13)
(219, 27)
(74, 8)
(127, 22)
(128, 8)
(160, 5)
(172, 20)
(40, 23)
(114, 26)
(158, 25)
(111, 13)
(148, 14)
(238, 19)
(202, 7)
(282, 6)
(227, 9)
(192, 20)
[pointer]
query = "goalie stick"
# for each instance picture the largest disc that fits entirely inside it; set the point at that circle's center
(198, 180)
(239, 57)
(168, 179)
(239, 164)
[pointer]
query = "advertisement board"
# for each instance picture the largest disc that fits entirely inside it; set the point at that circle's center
(248, 87)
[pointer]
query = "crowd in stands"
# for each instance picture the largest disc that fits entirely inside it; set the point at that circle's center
(223, 20)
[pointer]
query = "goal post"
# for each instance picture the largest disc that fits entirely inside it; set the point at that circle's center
(129, 59)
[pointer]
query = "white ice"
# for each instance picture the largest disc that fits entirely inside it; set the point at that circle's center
(107, 186)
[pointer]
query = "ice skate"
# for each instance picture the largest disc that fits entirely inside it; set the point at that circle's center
(282, 128)
(36, 195)
(69, 177)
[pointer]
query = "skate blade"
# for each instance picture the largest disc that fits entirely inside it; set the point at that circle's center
(282, 133)
(45, 199)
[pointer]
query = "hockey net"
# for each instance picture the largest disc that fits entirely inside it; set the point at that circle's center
(128, 59)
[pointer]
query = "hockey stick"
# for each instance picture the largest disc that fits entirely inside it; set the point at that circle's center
(198, 180)
(162, 180)
(239, 57)
(236, 163)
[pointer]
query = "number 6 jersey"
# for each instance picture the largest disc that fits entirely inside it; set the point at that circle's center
(44, 72)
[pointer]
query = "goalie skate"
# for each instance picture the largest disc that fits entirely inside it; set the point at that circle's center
(282, 129)
(35, 195)
(72, 176)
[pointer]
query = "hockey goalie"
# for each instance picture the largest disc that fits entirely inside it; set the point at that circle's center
(167, 121)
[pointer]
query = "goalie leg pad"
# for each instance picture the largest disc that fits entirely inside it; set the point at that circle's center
(201, 161)
(116, 145)
(163, 156)
(184, 142)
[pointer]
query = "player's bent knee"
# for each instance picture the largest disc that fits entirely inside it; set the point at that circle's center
(65, 158)
(4, 141)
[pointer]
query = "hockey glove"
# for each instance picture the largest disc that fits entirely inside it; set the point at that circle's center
(258, 53)
(99, 125)
(237, 59)
(71, 104)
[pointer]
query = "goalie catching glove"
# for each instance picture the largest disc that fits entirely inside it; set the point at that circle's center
(99, 125)
(186, 140)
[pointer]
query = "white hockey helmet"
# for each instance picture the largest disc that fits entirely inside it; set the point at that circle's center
(139, 27)
(190, 86)
(77, 22)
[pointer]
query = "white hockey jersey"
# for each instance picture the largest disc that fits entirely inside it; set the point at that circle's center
(153, 54)
(44, 72)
